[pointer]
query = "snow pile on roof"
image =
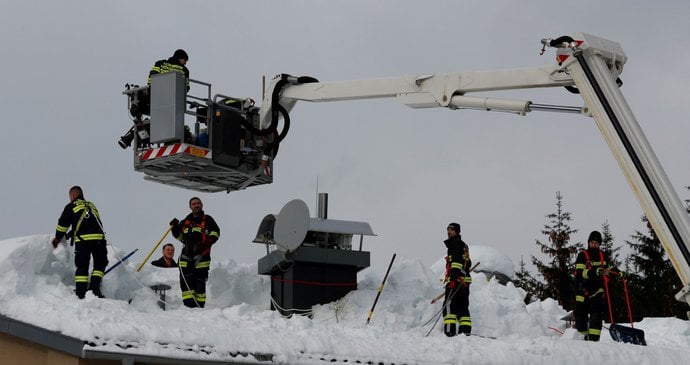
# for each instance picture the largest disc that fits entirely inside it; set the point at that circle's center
(36, 287)
(487, 259)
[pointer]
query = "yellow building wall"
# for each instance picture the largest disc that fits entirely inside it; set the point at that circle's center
(16, 351)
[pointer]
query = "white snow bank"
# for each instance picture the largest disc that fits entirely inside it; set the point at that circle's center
(36, 287)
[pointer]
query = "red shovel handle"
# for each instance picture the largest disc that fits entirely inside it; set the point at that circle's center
(627, 297)
(627, 301)
(608, 298)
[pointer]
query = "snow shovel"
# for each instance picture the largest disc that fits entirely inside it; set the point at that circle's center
(621, 333)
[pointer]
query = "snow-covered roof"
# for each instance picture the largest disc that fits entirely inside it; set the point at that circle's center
(35, 288)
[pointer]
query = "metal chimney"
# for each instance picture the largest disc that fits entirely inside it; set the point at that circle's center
(322, 206)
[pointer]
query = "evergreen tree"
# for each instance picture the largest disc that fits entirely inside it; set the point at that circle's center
(654, 283)
(526, 281)
(608, 247)
(558, 271)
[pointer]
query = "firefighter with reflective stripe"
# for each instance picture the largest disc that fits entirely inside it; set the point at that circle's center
(176, 63)
(591, 269)
(456, 303)
(198, 231)
(88, 237)
(141, 100)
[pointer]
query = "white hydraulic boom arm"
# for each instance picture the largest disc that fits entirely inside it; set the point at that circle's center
(426, 91)
(587, 65)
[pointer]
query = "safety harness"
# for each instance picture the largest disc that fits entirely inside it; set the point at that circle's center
(464, 280)
(88, 209)
(190, 226)
(585, 273)
(589, 261)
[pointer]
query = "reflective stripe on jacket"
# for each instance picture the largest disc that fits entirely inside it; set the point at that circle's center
(84, 219)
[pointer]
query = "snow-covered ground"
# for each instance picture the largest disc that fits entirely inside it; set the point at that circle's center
(35, 287)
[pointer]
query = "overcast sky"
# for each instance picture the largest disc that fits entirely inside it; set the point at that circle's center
(407, 172)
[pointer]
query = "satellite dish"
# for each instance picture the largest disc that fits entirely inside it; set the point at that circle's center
(292, 225)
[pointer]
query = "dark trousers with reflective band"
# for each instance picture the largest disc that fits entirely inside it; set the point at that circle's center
(83, 250)
(589, 313)
(456, 311)
(193, 277)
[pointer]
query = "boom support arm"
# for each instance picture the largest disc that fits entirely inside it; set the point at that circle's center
(635, 156)
(590, 63)
(423, 91)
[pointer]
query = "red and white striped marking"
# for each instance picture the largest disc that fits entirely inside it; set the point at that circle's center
(174, 149)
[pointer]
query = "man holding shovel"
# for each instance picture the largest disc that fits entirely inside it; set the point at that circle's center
(591, 269)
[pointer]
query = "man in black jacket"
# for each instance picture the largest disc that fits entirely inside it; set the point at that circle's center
(456, 304)
(89, 240)
(591, 269)
(141, 101)
(167, 260)
(176, 63)
(198, 231)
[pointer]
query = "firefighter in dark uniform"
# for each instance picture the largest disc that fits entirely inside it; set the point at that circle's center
(89, 240)
(591, 269)
(456, 303)
(141, 102)
(198, 231)
(176, 63)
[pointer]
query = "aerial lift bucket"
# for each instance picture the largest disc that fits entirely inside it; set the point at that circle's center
(620, 333)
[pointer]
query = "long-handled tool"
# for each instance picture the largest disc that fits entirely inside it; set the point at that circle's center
(121, 261)
(444, 293)
(380, 289)
(154, 248)
(621, 333)
(438, 315)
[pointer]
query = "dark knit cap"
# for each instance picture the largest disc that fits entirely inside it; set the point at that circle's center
(180, 54)
(594, 236)
(455, 227)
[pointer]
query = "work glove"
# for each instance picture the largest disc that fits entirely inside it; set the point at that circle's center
(602, 272)
(174, 222)
(55, 242)
(452, 284)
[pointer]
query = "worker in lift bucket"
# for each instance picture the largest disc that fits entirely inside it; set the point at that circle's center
(140, 102)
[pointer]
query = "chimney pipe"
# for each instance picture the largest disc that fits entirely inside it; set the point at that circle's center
(323, 206)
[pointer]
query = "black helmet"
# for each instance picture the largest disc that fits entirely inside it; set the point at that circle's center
(180, 54)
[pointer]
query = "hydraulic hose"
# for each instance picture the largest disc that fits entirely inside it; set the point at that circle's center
(277, 108)
(276, 111)
(558, 42)
(273, 146)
